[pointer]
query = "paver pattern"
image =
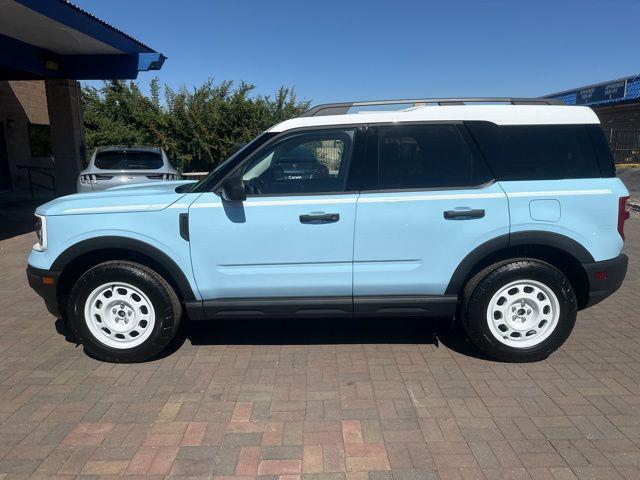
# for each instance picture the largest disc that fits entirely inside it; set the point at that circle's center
(320, 400)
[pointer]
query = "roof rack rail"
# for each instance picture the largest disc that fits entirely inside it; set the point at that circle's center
(342, 108)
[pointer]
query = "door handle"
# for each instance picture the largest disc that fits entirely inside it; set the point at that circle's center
(320, 218)
(464, 214)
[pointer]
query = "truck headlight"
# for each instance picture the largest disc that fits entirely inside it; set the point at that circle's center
(41, 233)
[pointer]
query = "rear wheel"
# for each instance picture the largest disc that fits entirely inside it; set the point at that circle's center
(519, 310)
(123, 312)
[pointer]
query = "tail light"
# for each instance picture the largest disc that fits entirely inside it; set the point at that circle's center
(88, 179)
(623, 214)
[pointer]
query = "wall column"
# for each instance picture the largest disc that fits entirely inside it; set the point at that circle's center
(67, 132)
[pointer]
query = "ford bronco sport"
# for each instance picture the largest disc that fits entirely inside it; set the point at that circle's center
(505, 212)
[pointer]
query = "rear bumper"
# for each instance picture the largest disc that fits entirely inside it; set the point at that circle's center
(45, 284)
(601, 284)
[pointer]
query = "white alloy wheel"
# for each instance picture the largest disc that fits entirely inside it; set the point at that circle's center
(119, 315)
(523, 313)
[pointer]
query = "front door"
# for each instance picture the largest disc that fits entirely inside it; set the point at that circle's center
(434, 203)
(292, 238)
(5, 172)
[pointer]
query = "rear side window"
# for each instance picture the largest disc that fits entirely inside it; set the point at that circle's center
(128, 160)
(536, 152)
(426, 156)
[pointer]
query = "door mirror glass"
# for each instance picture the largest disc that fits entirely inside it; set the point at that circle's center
(233, 189)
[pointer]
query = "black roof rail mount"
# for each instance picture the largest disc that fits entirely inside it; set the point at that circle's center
(343, 108)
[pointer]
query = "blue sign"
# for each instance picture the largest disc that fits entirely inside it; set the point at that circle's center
(601, 93)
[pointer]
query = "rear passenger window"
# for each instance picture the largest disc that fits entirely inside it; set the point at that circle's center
(426, 156)
(536, 152)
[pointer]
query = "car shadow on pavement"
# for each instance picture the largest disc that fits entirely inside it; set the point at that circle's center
(326, 331)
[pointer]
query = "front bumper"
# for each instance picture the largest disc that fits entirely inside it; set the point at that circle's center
(605, 277)
(45, 284)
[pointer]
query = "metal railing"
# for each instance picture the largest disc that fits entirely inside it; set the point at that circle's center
(193, 175)
(625, 145)
(39, 171)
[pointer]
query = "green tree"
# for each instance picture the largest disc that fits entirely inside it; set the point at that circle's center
(197, 127)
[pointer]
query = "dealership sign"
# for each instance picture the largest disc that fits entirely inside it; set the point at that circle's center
(601, 93)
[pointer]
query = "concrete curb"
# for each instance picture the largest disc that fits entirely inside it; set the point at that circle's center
(634, 204)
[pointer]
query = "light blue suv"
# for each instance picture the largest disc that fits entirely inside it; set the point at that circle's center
(504, 212)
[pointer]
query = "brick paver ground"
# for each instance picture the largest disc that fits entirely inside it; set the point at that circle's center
(318, 400)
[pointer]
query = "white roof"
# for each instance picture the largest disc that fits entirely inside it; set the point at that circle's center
(498, 114)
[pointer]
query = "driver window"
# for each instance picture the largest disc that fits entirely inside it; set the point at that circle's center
(304, 163)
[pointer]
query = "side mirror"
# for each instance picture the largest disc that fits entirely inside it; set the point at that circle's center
(233, 189)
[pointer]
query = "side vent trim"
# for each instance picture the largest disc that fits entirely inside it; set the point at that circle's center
(184, 226)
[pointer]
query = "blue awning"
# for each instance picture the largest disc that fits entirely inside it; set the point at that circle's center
(613, 92)
(56, 39)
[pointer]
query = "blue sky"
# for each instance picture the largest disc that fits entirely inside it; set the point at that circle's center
(332, 50)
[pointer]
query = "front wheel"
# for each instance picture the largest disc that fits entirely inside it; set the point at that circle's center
(519, 310)
(122, 311)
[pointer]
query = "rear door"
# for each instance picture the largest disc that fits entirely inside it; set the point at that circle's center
(434, 201)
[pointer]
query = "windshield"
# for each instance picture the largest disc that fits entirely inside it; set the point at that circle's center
(218, 173)
(128, 160)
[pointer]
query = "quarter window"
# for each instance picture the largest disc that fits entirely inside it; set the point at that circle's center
(305, 163)
(537, 152)
(424, 156)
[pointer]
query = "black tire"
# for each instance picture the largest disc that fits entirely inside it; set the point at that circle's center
(161, 295)
(485, 284)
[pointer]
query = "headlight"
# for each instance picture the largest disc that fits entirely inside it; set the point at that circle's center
(41, 233)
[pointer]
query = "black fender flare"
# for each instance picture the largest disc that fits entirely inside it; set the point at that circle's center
(124, 243)
(530, 237)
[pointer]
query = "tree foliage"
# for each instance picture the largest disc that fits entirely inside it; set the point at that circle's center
(197, 127)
